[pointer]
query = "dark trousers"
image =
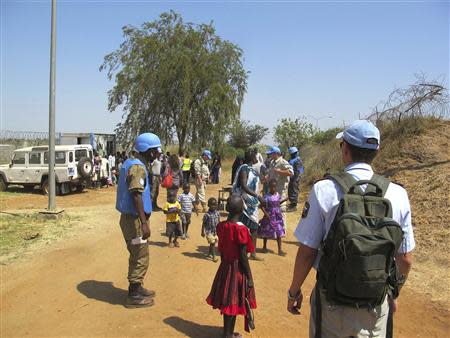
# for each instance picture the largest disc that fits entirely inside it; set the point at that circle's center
(215, 175)
(293, 190)
(186, 176)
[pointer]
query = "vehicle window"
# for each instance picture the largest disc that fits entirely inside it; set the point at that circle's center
(91, 156)
(79, 153)
(60, 157)
(35, 158)
(19, 158)
(70, 157)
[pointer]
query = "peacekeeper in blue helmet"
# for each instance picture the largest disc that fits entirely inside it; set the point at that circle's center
(294, 182)
(134, 204)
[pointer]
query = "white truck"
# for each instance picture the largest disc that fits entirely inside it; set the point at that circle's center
(29, 168)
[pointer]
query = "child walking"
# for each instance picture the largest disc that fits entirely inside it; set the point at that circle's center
(172, 209)
(232, 291)
(272, 224)
(186, 200)
(209, 225)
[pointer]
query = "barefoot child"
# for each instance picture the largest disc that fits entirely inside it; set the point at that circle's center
(232, 291)
(272, 224)
(210, 221)
(172, 209)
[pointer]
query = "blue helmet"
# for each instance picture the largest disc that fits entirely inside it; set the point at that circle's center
(293, 150)
(207, 153)
(146, 141)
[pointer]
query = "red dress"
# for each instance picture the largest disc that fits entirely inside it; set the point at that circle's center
(229, 288)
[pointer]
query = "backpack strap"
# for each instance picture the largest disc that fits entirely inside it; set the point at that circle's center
(382, 182)
(345, 181)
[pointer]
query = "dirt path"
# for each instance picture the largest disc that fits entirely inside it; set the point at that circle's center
(76, 287)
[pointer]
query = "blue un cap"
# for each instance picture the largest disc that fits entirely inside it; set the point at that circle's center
(273, 150)
(361, 134)
(207, 153)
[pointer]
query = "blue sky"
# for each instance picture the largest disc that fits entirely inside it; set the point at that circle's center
(316, 58)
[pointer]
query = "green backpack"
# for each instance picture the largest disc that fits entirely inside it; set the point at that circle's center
(357, 266)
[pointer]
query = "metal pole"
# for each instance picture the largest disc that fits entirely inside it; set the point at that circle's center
(51, 127)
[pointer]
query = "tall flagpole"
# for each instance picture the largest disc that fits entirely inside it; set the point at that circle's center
(51, 127)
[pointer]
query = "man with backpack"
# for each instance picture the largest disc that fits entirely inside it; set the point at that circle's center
(356, 232)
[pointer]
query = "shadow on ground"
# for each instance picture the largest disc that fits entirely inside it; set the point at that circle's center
(202, 252)
(160, 244)
(103, 291)
(192, 329)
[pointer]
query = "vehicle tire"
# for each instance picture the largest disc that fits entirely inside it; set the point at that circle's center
(85, 167)
(44, 186)
(3, 185)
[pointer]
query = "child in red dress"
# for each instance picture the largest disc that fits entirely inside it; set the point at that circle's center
(232, 291)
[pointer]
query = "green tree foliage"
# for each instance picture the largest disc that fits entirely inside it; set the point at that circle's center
(325, 136)
(291, 132)
(242, 134)
(179, 80)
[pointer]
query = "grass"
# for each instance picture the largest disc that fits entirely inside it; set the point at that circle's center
(23, 231)
(321, 158)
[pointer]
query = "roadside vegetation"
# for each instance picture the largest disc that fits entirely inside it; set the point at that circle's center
(20, 231)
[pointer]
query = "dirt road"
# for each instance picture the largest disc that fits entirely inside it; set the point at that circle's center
(76, 286)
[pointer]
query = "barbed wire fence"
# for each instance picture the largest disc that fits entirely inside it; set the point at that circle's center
(12, 139)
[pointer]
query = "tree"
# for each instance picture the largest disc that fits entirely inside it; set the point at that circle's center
(243, 134)
(175, 79)
(296, 132)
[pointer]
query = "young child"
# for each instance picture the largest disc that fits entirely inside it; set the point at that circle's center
(186, 200)
(172, 209)
(232, 288)
(210, 221)
(272, 224)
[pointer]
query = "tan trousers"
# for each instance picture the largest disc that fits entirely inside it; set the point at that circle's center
(200, 196)
(138, 261)
(343, 321)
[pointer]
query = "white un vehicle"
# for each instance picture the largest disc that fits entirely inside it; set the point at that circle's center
(29, 168)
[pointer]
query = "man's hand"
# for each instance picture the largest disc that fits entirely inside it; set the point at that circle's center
(393, 305)
(294, 305)
(145, 230)
(250, 283)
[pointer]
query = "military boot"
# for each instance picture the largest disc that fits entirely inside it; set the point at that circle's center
(144, 292)
(135, 299)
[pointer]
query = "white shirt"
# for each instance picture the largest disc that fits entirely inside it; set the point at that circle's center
(324, 200)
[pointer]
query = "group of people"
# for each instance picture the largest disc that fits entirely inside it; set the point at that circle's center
(355, 230)
(280, 181)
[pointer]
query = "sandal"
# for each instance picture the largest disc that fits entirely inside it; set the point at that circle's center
(176, 244)
(237, 335)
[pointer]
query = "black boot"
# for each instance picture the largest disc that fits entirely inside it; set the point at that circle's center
(135, 299)
(144, 292)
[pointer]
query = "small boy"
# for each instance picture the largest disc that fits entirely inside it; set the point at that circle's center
(210, 221)
(187, 201)
(172, 209)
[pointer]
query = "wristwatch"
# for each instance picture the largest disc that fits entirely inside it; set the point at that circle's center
(296, 297)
